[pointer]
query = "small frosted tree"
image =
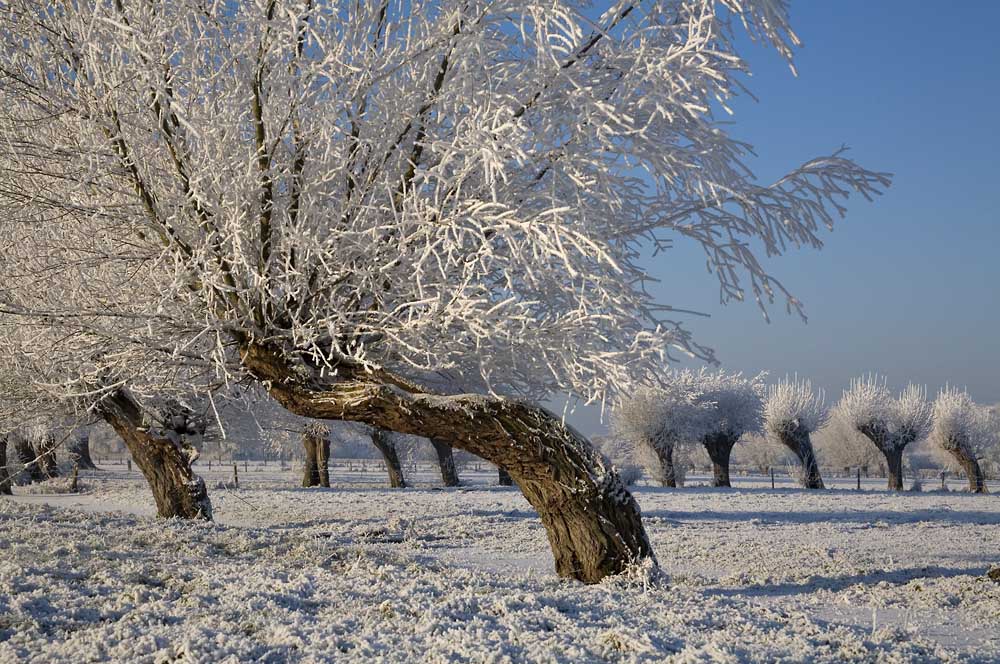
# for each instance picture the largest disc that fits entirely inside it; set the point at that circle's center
(966, 431)
(762, 453)
(792, 413)
(734, 405)
(657, 422)
(840, 445)
(890, 423)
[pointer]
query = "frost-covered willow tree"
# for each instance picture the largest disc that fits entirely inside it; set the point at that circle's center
(422, 214)
(966, 431)
(792, 413)
(734, 404)
(658, 422)
(75, 374)
(890, 423)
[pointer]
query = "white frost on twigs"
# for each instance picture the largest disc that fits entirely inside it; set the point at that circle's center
(963, 426)
(792, 404)
(890, 422)
(434, 188)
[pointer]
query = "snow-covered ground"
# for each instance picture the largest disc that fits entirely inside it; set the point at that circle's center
(363, 573)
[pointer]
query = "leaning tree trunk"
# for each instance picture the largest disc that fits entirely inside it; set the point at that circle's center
(504, 478)
(79, 452)
(46, 452)
(797, 440)
(974, 473)
(384, 444)
(446, 460)
(164, 459)
(720, 448)
(592, 521)
(5, 477)
(29, 459)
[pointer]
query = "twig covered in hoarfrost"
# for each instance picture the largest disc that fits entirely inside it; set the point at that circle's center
(455, 192)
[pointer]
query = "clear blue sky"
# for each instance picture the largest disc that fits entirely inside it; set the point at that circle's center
(908, 286)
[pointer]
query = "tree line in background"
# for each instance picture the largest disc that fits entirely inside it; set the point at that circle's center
(661, 428)
(696, 418)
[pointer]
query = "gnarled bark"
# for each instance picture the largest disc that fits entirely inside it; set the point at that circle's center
(797, 440)
(5, 477)
(385, 445)
(592, 521)
(720, 448)
(29, 459)
(316, 442)
(446, 461)
(79, 452)
(164, 459)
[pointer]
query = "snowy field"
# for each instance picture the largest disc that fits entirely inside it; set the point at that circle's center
(363, 573)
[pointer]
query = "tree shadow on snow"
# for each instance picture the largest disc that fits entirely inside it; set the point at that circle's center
(864, 518)
(898, 577)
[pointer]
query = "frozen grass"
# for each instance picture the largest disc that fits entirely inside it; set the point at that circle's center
(359, 573)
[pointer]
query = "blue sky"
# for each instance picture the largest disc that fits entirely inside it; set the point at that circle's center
(909, 285)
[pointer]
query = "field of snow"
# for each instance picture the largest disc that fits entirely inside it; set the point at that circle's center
(363, 573)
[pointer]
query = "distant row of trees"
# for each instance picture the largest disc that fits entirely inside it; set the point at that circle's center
(715, 409)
